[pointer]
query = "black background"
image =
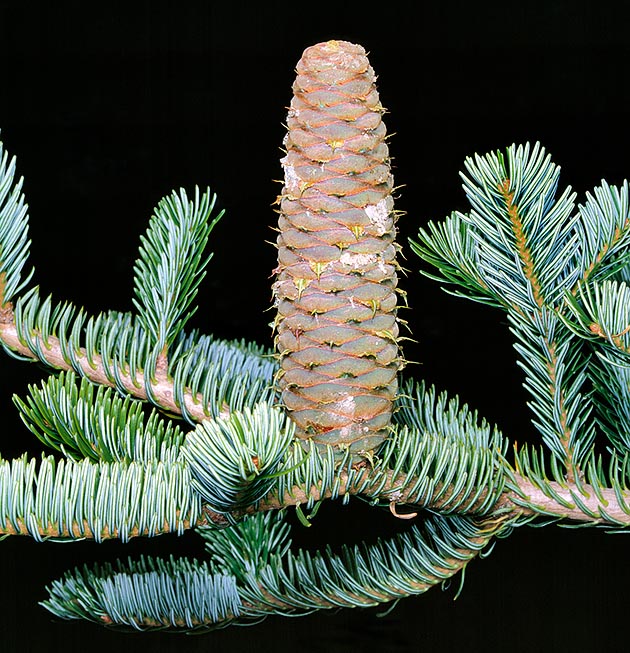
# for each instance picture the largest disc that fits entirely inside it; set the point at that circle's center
(109, 106)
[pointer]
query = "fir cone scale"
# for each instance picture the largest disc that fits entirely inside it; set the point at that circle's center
(336, 282)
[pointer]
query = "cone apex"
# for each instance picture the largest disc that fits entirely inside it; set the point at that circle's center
(338, 55)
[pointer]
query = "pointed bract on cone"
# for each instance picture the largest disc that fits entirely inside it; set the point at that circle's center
(335, 289)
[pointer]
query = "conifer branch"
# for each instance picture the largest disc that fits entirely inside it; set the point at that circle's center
(529, 251)
(275, 580)
(604, 228)
(171, 264)
(53, 501)
(50, 351)
(561, 275)
(76, 500)
(204, 377)
(252, 574)
(14, 241)
(147, 595)
(86, 420)
(521, 499)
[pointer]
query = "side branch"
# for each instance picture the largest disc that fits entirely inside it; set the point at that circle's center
(50, 352)
(556, 390)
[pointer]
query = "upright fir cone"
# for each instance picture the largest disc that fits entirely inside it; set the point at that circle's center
(335, 290)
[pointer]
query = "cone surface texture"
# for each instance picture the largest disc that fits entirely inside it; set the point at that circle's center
(335, 289)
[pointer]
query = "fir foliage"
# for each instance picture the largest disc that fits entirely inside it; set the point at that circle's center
(560, 272)
(437, 455)
(253, 573)
(84, 420)
(171, 263)
(14, 241)
(527, 251)
(611, 398)
(73, 500)
(603, 228)
(223, 376)
(599, 313)
(112, 341)
(555, 364)
(275, 580)
(151, 594)
(598, 495)
(235, 460)
(114, 349)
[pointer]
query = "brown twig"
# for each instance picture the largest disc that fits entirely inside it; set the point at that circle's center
(94, 370)
(527, 261)
(526, 501)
